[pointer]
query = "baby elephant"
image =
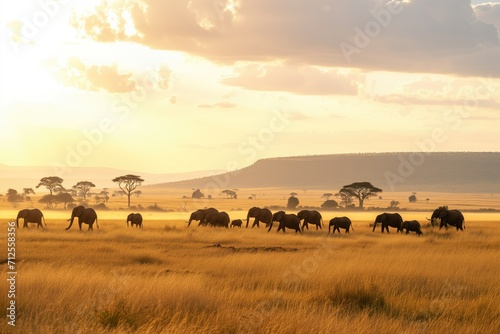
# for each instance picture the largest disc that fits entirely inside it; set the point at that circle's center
(340, 223)
(411, 225)
(236, 222)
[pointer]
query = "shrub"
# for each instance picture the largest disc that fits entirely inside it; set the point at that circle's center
(329, 204)
(293, 202)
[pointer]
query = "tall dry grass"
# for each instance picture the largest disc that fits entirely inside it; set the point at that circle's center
(170, 279)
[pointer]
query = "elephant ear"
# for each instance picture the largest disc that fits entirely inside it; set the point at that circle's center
(279, 216)
(443, 214)
(382, 217)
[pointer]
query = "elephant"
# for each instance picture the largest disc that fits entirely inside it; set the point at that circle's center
(34, 216)
(260, 215)
(286, 220)
(218, 219)
(200, 215)
(237, 222)
(134, 219)
(84, 215)
(340, 222)
(446, 217)
(310, 217)
(388, 219)
(412, 225)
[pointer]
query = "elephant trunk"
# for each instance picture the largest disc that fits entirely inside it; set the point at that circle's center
(248, 219)
(70, 222)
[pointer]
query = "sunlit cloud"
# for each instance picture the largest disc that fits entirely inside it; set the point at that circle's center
(416, 36)
(299, 80)
(221, 105)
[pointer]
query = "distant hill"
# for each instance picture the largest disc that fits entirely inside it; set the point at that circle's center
(447, 172)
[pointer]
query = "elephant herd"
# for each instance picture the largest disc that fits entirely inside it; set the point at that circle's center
(85, 216)
(212, 217)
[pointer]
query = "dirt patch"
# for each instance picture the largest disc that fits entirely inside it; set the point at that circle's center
(253, 249)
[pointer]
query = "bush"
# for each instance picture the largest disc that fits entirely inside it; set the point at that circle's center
(101, 206)
(329, 204)
(155, 208)
(293, 202)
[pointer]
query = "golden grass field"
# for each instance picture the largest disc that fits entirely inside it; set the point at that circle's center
(167, 278)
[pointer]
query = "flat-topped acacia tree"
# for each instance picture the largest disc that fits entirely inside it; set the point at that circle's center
(128, 183)
(52, 183)
(83, 188)
(360, 190)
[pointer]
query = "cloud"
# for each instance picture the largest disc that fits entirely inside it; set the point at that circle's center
(304, 80)
(221, 105)
(90, 77)
(469, 93)
(489, 13)
(418, 36)
(95, 78)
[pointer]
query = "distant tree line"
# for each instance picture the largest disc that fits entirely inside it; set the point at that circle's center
(58, 194)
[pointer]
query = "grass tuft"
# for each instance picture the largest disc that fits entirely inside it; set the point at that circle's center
(359, 299)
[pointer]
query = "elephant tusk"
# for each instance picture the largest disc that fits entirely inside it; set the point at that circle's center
(427, 219)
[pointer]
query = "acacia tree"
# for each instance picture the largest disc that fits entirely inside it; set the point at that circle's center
(27, 192)
(326, 196)
(64, 198)
(128, 183)
(230, 193)
(83, 188)
(13, 196)
(360, 190)
(345, 197)
(48, 200)
(51, 183)
(105, 194)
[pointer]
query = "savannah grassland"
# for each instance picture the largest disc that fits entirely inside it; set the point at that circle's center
(167, 278)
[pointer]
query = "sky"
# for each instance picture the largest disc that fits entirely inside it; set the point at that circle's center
(175, 86)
